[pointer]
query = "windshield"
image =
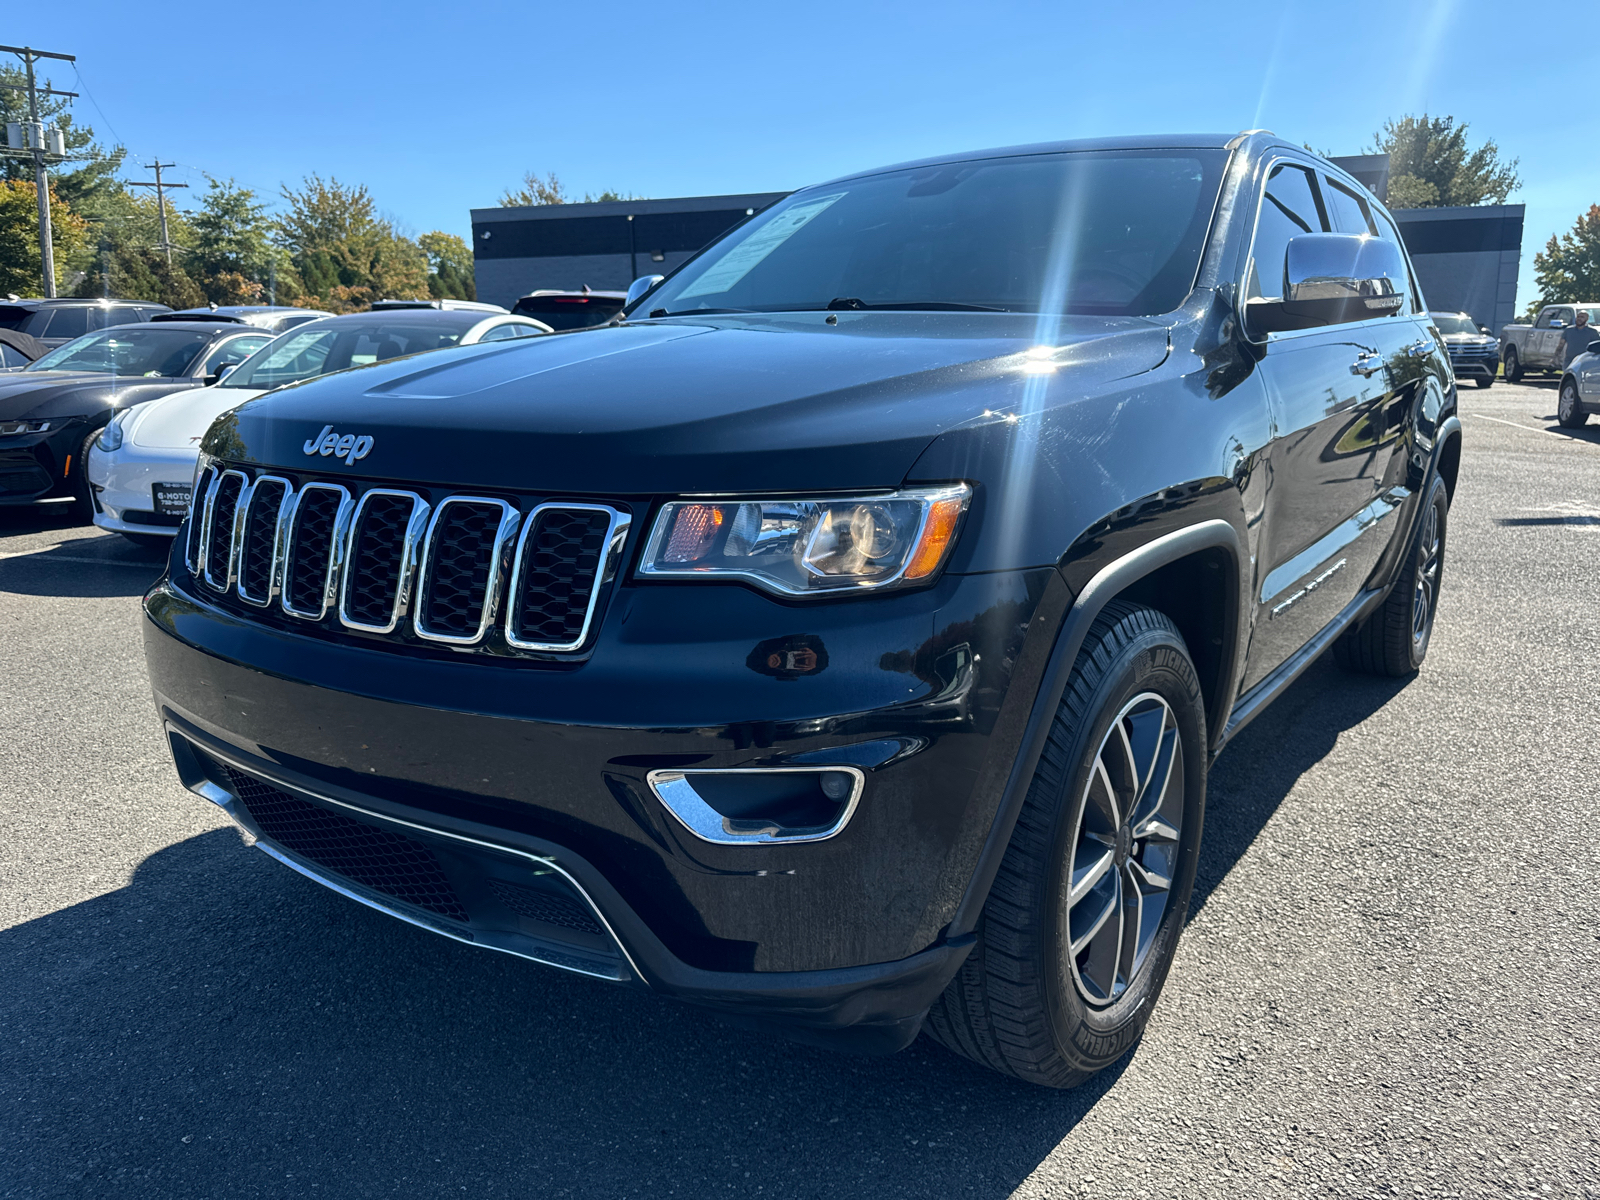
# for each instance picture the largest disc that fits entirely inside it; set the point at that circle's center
(317, 348)
(569, 312)
(1448, 324)
(137, 350)
(1115, 232)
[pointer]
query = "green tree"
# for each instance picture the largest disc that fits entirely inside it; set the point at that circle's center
(547, 189)
(125, 259)
(20, 270)
(449, 266)
(345, 254)
(83, 187)
(1568, 269)
(1431, 165)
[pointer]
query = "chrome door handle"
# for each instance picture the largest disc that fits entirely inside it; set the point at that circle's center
(1368, 365)
(1420, 349)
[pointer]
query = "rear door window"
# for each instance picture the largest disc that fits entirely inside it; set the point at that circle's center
(1347, 210)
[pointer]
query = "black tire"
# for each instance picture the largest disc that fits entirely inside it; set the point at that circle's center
(1394, 640)
(1022, 1003)
(1569, 412)
(81, 510)
(148, 541)
(1485, 381)
(1512, 366)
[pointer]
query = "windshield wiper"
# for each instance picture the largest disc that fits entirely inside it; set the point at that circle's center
(851, 304)
(694, 312)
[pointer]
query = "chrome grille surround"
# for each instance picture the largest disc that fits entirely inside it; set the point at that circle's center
(415, 524)
(616, 536)
(261, 490)
(338, 536)
(215, 495)
(500, 551)
(200, 518)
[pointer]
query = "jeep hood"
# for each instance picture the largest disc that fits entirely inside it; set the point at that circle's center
(745, 403)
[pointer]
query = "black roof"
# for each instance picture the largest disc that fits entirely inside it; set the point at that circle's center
(1178, 141)
(29, 345)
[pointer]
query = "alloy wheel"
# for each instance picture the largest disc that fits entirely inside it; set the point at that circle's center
(1125, 849)
(1569, 402)
(1427, 589)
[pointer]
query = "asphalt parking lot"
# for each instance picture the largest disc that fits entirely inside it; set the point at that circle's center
(1389, 984)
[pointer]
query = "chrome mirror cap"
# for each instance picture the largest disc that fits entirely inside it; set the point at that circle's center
(640, 287)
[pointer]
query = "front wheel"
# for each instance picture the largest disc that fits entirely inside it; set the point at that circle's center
(1569, 411)
(1485, 381)
(1394, 640)
(1082, 922)
(1513, 366)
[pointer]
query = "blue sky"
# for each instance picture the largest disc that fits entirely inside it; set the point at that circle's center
(439, 107)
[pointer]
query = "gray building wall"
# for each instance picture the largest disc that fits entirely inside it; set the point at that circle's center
(1467, 259)
(604, 246)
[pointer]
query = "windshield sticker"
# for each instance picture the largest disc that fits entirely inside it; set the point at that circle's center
(290, 350)
(748, 254)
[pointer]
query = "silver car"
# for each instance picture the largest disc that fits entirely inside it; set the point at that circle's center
(1580, 387)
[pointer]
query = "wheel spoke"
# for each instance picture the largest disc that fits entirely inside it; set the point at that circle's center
(1132, 926)
(1101, 813)
(1154, 871)
(1091, 863)
(1155, 792)
(1103, 942)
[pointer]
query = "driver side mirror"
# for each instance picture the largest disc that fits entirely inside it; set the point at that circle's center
(1594, 347)
(1333, 279)
(1486, 330)
(222, 373)
(640, 287)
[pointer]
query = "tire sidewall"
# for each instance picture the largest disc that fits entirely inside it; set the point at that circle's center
(1439, 497)
(1090, 1037)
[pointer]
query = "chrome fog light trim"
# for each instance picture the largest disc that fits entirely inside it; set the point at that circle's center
(676, 791)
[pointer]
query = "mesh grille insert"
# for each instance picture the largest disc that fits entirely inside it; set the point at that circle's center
(372, 576)
(560, 568)
(219, 550)
(564, 912)
(310, 544)
(462, 552)
(260, 535)
(387, 862)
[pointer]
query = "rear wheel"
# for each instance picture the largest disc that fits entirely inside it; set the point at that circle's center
(1082, 922)
(1394, 640)
(1569, 411)
(1513, 365)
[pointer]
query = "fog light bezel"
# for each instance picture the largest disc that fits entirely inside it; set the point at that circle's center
(672, 787)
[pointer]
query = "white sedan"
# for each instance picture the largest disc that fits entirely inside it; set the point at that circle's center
(141, 468)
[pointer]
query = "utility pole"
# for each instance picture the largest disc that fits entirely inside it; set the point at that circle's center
(161, 200)
(41, 180)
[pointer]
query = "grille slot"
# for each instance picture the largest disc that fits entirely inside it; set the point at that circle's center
(199, 506)
(390, 863)
(564, 912)
(311, 559)
(467, 543)
(222, 508)
(383, 536)
(258, 539)
(560, 568)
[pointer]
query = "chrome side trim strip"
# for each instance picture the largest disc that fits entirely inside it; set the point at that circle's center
(1326, 547)
(330, 581)
(415, 524)
(615, 538)
(505, 535)
(211, 530)
(675, 790)
(230, 804)
(285, 506)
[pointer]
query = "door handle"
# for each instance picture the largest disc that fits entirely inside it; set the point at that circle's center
(1368, 364)
(1420, 349)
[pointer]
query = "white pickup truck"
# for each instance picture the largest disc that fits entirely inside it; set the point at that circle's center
(1543, 345)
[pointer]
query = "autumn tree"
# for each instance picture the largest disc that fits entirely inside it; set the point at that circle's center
(345, 254)
(20, 269)
(449, 266)
(1431, 165)
(547, 189)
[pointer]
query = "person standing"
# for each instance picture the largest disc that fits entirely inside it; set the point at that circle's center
(1577, 337)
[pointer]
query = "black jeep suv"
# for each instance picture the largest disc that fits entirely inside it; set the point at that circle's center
(841, 637)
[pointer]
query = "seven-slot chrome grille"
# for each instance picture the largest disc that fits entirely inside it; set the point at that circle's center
(457, 569)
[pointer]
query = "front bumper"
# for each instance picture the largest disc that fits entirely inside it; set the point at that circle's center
(122, 483)
(39, 466)
(847, 937)
(1475, 366)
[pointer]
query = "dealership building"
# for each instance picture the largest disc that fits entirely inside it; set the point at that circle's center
(1466, 258)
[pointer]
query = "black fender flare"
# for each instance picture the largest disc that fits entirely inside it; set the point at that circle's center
(1111, 580)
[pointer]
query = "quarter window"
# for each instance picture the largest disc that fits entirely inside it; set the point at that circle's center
(1289, 207)
(1347, 210)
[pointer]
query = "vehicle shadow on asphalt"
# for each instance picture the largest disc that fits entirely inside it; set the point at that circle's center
(221, 1026)
(84, 564)
(1251, 778)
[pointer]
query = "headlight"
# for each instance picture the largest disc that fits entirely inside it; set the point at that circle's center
(201, 462)
(10, 427)
(809, 547)
(111, 436)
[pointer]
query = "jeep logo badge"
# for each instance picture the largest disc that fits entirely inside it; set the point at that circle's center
(348, 446)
